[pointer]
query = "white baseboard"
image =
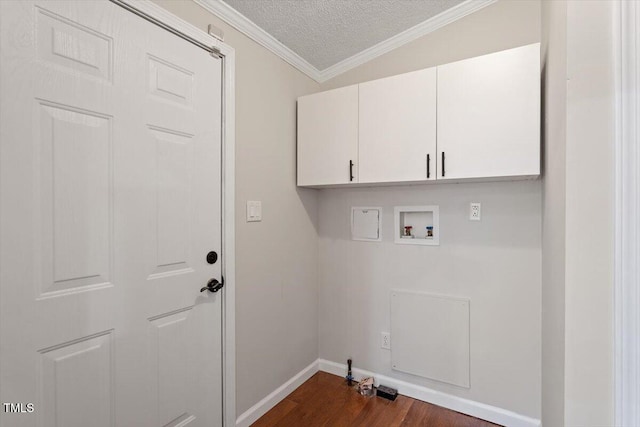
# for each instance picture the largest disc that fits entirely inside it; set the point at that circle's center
(465, 406)
(252, 414)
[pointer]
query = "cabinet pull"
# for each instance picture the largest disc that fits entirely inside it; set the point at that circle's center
(350, 170)
(428, 167)
(443, 163)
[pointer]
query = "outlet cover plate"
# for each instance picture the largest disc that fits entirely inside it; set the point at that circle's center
(385, 340)
(475, 211)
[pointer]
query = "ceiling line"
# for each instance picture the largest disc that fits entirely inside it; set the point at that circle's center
(246, 26)
(448, 16)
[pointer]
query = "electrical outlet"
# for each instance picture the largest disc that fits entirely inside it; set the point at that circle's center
(385, 340)
(474, 211)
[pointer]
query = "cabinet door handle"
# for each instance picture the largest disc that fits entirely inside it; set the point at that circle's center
(350, 170)
(428, 167)
(443, 163)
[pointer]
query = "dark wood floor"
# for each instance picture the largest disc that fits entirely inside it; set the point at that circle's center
(326, 400)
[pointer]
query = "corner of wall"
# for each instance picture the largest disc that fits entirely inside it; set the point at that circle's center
(554, 27)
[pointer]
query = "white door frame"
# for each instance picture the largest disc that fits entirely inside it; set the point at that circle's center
(166, 18)
(627, 212)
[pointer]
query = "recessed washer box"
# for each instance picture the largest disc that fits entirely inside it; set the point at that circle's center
(424, 222)
(365, 224)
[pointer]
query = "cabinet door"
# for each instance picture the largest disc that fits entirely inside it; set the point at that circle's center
(489, 115)
(398, 128)
(328, 137)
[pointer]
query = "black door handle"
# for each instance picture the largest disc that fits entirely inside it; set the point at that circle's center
(428, 166)
(443, 163)
(213, 285)
(350, 170)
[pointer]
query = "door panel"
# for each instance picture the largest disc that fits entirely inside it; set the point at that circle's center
(328, 137)
(398, 128)
(73, 402)
(489, 115)
(109, 203)
(174, 159)
(167, 339)
(71, 45)
(75, 163)
(169, 81)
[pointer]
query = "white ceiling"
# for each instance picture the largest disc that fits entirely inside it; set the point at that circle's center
(325, 32)
(324, 38)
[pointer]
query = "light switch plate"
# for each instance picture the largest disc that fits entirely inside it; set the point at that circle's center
(254, 211)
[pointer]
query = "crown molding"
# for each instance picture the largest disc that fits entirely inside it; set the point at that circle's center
(249, 28)
(422, 29)
(243, 24)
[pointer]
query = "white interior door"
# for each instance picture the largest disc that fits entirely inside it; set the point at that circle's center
(397, 139)
(110, 192)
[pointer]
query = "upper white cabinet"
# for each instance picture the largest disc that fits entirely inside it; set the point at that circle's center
(489, 115)
(473, 119)
(328, 137)
(397, 140)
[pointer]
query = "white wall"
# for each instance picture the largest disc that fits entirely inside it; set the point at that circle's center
(589, 206)
(554, 46)
(578, 196)
(502, 25)
(496, 262)
(276, 294)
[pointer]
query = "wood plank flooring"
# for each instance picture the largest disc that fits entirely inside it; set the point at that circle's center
(326, 400)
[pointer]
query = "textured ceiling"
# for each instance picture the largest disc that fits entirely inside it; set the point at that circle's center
(325, 32)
